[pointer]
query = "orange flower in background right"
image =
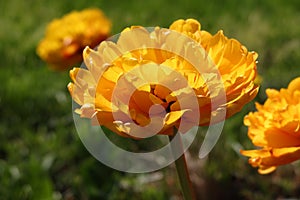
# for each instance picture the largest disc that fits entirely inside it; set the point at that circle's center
(276, 128)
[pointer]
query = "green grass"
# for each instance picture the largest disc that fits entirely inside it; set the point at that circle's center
(41, 156)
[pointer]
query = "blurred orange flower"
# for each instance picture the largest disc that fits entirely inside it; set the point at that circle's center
(276, 128)
(145, 73)
(66, 38)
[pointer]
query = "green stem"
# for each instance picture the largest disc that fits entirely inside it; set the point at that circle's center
(181, 168)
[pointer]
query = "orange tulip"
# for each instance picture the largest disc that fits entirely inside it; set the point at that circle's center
(138, 82)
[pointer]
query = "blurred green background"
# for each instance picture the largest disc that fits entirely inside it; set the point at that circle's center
(41, 156)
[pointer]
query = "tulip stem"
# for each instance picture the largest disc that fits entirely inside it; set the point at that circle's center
(181, 167)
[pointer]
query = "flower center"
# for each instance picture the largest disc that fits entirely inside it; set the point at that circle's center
(149, 101)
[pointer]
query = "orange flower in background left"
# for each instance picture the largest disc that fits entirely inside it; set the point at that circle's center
(66, 37)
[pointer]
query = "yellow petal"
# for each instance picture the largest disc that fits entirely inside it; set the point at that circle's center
(277, 139)
(173, 116)
(294, 85)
